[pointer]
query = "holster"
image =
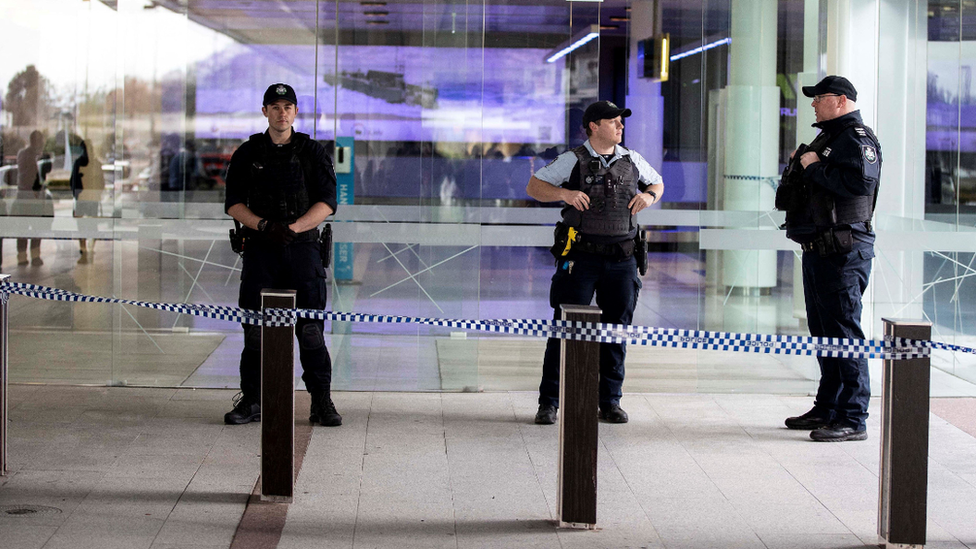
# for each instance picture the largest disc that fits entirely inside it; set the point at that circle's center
(564, 237)
(640, 251)
(832, 241)
(325, 246)
(237, 239)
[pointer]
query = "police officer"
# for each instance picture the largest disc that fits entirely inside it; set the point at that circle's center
(829, 192)
(603, 185)
(281, 186)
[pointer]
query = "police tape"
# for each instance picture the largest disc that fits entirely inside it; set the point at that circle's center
(751, 177)
(889, 348)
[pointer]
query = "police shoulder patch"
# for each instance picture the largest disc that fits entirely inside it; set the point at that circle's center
(869, 154)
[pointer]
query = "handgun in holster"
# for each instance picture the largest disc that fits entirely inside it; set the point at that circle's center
(563, 236)
(640, 251)
(325, 245)
(237, 239)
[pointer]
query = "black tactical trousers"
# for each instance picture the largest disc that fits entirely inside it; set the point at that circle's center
(617, 286)
(833, 286)
(297, 266)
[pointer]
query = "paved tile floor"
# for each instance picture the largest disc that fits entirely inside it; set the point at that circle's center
(156, 468)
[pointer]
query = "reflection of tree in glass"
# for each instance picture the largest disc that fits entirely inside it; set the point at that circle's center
(28, 97)
(141, 99)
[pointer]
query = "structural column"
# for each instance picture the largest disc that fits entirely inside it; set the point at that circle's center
(896, 109)
(751, 135)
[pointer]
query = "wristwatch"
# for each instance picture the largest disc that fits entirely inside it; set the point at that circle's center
(652, 193)
(262, 225)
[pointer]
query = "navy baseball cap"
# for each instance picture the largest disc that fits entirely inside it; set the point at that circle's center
(832, 84)
(603, 110)
(279, 91)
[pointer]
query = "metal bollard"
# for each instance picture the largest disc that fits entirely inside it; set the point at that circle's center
(904, 441)
(3, 379)
(579, 378)
(277, 402)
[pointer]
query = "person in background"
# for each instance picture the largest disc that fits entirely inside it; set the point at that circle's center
(87, 183)
(30, 194)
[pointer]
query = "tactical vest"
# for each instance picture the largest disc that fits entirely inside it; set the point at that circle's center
(610, 191)
(825, 210)
(277, 191)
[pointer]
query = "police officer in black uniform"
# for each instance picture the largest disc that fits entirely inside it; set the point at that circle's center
(281, 186)
(829, 191)
(603, 185)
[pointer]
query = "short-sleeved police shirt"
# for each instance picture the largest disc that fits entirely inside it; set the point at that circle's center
(560, 171)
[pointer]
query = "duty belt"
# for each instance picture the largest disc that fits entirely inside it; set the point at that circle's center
(621, 249)
(307, 236)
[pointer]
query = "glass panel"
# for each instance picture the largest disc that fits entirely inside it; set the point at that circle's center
(950, 176)
(187, 96)
(57, 123)
(730, 121)
(437, 113)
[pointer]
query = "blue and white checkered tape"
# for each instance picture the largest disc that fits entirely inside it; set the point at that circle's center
(890, 348)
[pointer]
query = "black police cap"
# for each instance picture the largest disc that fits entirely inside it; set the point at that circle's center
(832, 84)
(279, 91)
(603, 110)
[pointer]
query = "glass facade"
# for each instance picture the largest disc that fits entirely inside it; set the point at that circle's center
(437, 113)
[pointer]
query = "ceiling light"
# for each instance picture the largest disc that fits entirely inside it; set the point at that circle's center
(581, 37)
(609, 27)
(700, 49)
(619, 18)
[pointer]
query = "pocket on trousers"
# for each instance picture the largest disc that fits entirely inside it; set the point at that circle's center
(638, 286)
(560, 279)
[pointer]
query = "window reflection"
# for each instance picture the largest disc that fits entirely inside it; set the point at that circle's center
(441, 111)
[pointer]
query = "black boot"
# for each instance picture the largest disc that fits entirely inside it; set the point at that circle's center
(324, 411)
(808, 422)
(546, 415)
(245, 410)
(613, 413)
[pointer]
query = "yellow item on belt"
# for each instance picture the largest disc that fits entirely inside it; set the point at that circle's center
(571, 236)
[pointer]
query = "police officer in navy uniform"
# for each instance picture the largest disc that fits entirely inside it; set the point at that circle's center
(603, 186)
(281, 186)
(829, 201)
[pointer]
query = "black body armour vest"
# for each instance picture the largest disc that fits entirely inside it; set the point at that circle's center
(278, 190)
(825, 210)
(610, 190)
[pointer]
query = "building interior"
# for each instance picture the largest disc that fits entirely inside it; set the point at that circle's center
(436, 114)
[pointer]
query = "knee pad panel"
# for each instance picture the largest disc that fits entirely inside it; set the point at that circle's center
(310, 337)
(252, 338)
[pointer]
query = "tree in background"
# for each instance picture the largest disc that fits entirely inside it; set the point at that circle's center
(28, 98)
